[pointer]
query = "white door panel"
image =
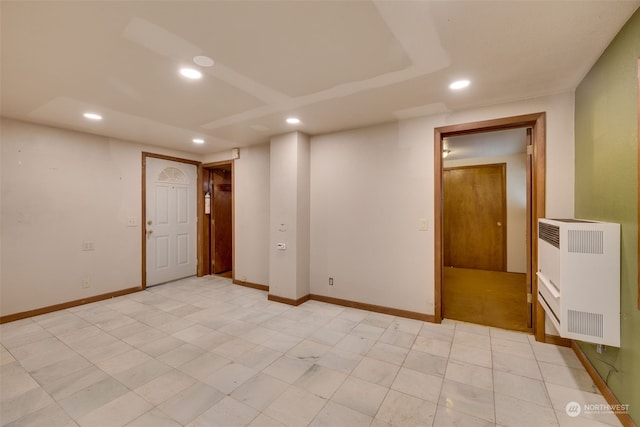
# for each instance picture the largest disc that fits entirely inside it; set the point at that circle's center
(171, 220)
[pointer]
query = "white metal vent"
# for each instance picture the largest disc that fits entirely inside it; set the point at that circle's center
(585, 241)
(585, 323)
(549, 233)
(173, 175)
(579, 281)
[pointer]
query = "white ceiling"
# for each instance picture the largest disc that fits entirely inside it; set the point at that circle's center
(334, 64)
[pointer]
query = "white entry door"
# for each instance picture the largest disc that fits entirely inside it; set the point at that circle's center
(171, 220)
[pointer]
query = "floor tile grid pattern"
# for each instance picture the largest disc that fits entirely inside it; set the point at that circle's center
(205, 352)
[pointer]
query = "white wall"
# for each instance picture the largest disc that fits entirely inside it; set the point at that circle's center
(251, 175)
(366, 201)
(289, 216)
(220, 156)
(60, 188)
(303, 221)
(516, 205)
(370, 187)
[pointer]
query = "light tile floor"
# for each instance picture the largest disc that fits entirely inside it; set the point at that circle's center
(205, 352)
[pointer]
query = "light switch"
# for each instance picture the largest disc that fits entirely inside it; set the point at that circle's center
(281, 246)
(423, 224)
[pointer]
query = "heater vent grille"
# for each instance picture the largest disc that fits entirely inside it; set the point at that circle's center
(585, 323)
(586, 241)
(549, 233)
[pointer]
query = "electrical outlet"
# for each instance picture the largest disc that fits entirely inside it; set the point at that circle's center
(88, 246)
(330, 281)
(132, 222)
(86, 284)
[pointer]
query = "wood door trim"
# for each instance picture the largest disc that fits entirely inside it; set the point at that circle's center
(143, 215)
(536, 121)
(207, 270)
(503, 214)
(529, 229)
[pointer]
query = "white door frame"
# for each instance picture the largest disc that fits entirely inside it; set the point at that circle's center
(199, 204)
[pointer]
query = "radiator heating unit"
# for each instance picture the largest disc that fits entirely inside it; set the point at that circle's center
(579, 278)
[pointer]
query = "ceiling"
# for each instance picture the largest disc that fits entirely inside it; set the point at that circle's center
(334, 64)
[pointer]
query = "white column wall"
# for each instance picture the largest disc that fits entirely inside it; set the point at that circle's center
(289, 219)
(251, 219)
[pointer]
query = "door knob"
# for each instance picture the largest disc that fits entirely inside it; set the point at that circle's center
(499, 224)
(149, 222)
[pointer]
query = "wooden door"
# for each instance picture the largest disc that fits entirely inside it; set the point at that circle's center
(221, 220)
(474, 222)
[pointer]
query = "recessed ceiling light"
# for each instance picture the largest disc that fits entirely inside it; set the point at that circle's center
(293, 120)
(191, 73)
(459, 84)
(92, 116)
(198, 141)
(203, 61)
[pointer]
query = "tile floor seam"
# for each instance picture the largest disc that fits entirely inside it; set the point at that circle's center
(493, 380)
(546, 389)
(395, 376)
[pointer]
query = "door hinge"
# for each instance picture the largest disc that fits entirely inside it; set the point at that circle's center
(529, 150)
(529, 298)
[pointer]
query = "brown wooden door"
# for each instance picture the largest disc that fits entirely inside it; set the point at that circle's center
(221, 221)
(475, 217)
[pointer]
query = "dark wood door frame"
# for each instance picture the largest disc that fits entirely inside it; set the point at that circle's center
(537, 122)
(205, 236)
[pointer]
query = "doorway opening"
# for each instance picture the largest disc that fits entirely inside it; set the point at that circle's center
(477, 276)
(484, 215)
(218, 236)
